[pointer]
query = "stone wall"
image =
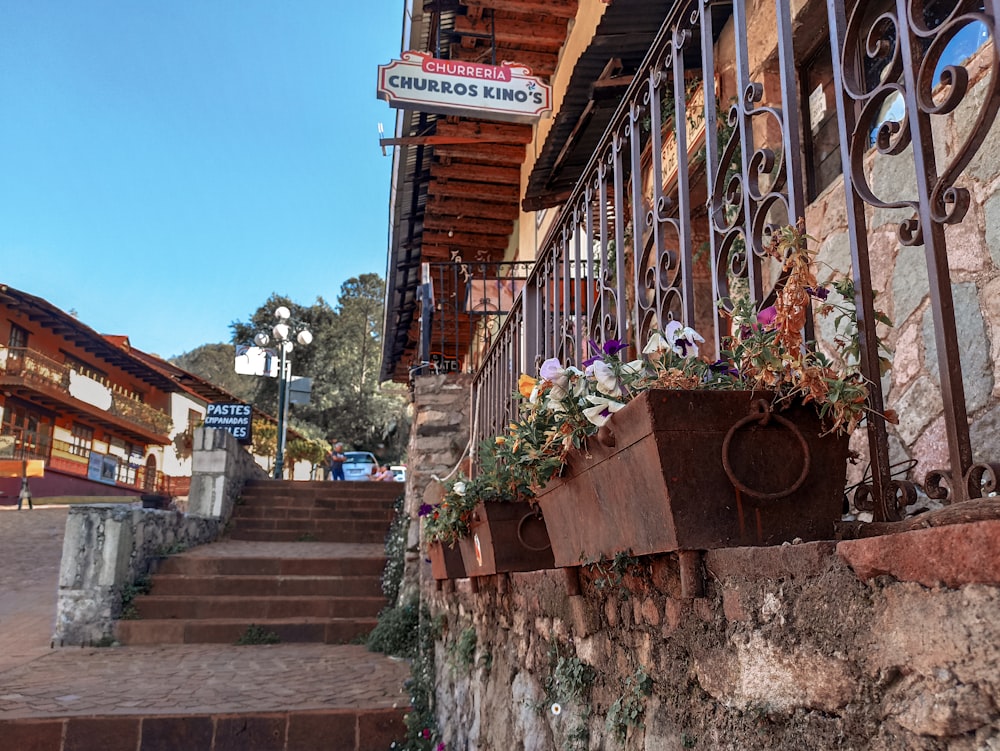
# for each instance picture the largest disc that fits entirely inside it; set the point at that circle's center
(878, 644)
(108, 548)
(220, 466)
(439, 441)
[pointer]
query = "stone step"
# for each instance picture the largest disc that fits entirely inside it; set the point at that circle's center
(343, 729)
(206, 565)
(332, 510)
(153, 607)
(335, 534)
(229, 631)
(265, 586)
(351, 527)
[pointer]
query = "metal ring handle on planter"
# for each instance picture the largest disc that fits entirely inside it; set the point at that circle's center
(762, 414)
(520, 532)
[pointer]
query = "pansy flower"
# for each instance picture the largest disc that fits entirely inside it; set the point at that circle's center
(425, 509)
(683, 339)
(602, 410)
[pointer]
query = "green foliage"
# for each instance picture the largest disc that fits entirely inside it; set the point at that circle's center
(347, 401)
(303, 449)
(569, 683)
(256, 634)
(688, 741)
(611, 574)
(628, 710)
(395, 551)
(462, 652)
(141, 586)
(214, 363)
(397, 630)
(421, 726)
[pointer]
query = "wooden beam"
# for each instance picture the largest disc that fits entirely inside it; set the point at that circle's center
(461, 208)
(498, 155)
(538, 30)
(541, 64)
(466, 189)
(553, 8)
(460, 239)
(509, 133)
(479, 173)
(473, 226)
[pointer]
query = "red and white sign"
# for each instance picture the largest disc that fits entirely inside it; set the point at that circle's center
(452, 87)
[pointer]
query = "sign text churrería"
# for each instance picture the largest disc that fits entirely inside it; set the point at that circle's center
(499, 92)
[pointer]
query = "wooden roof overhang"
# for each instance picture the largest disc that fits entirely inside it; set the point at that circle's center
(457, 180)
(65, 326)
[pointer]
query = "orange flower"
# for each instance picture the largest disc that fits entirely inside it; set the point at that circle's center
(525, 385)
(500, 441)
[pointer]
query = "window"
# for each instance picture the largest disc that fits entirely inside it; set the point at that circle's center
(821, 138)
(81, 440)
(18, 336)
(31, 431)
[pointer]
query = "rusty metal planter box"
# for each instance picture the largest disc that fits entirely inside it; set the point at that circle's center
(654, 480)
(505, 537)
(446, 562)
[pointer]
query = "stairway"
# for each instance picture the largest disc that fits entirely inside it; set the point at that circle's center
(303, 562)
(278, 511)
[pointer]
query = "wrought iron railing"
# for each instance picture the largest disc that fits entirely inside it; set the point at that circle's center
(41, 371)
(704, 158)
(470, 301)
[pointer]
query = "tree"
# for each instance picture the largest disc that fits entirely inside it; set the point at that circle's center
(215, 364)
(347, 401)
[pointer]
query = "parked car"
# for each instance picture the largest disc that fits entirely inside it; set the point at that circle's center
(359, 465)
(399, 470)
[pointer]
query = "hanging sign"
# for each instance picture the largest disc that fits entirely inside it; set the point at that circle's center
(234, 418)
(453, 87)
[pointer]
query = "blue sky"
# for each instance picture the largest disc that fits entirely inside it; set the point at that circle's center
(165, 165)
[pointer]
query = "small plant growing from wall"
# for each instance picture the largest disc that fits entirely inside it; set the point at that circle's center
(567, 689)
(629, 709)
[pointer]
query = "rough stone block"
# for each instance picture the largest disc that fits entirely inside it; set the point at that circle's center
(952, 555)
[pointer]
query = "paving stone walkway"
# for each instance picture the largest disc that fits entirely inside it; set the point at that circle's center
(38, 681)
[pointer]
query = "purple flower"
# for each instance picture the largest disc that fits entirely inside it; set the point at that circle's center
(767, 316)
(610, 348)
(613, 346)
(425, 509)
(724, 366)
(820, 293)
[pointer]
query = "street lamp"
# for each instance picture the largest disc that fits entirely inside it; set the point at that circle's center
(283, 336)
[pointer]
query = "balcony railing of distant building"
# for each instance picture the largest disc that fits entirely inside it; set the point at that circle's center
(463, 308)
(670, 217)
(41, 372)
(70, 458)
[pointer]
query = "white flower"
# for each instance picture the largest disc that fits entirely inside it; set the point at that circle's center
(459, 488)
(607, 379)
(656, 344)
(602, 410)
(556, 709)
(682, 339)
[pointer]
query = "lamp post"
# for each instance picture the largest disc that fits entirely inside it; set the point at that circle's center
(283, 336)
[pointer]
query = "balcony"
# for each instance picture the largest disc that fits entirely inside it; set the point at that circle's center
(39, 379)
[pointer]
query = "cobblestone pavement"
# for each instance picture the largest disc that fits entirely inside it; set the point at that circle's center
(38, 681)
(30, 551)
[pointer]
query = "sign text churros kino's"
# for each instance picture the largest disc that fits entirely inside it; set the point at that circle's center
(497, 92)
